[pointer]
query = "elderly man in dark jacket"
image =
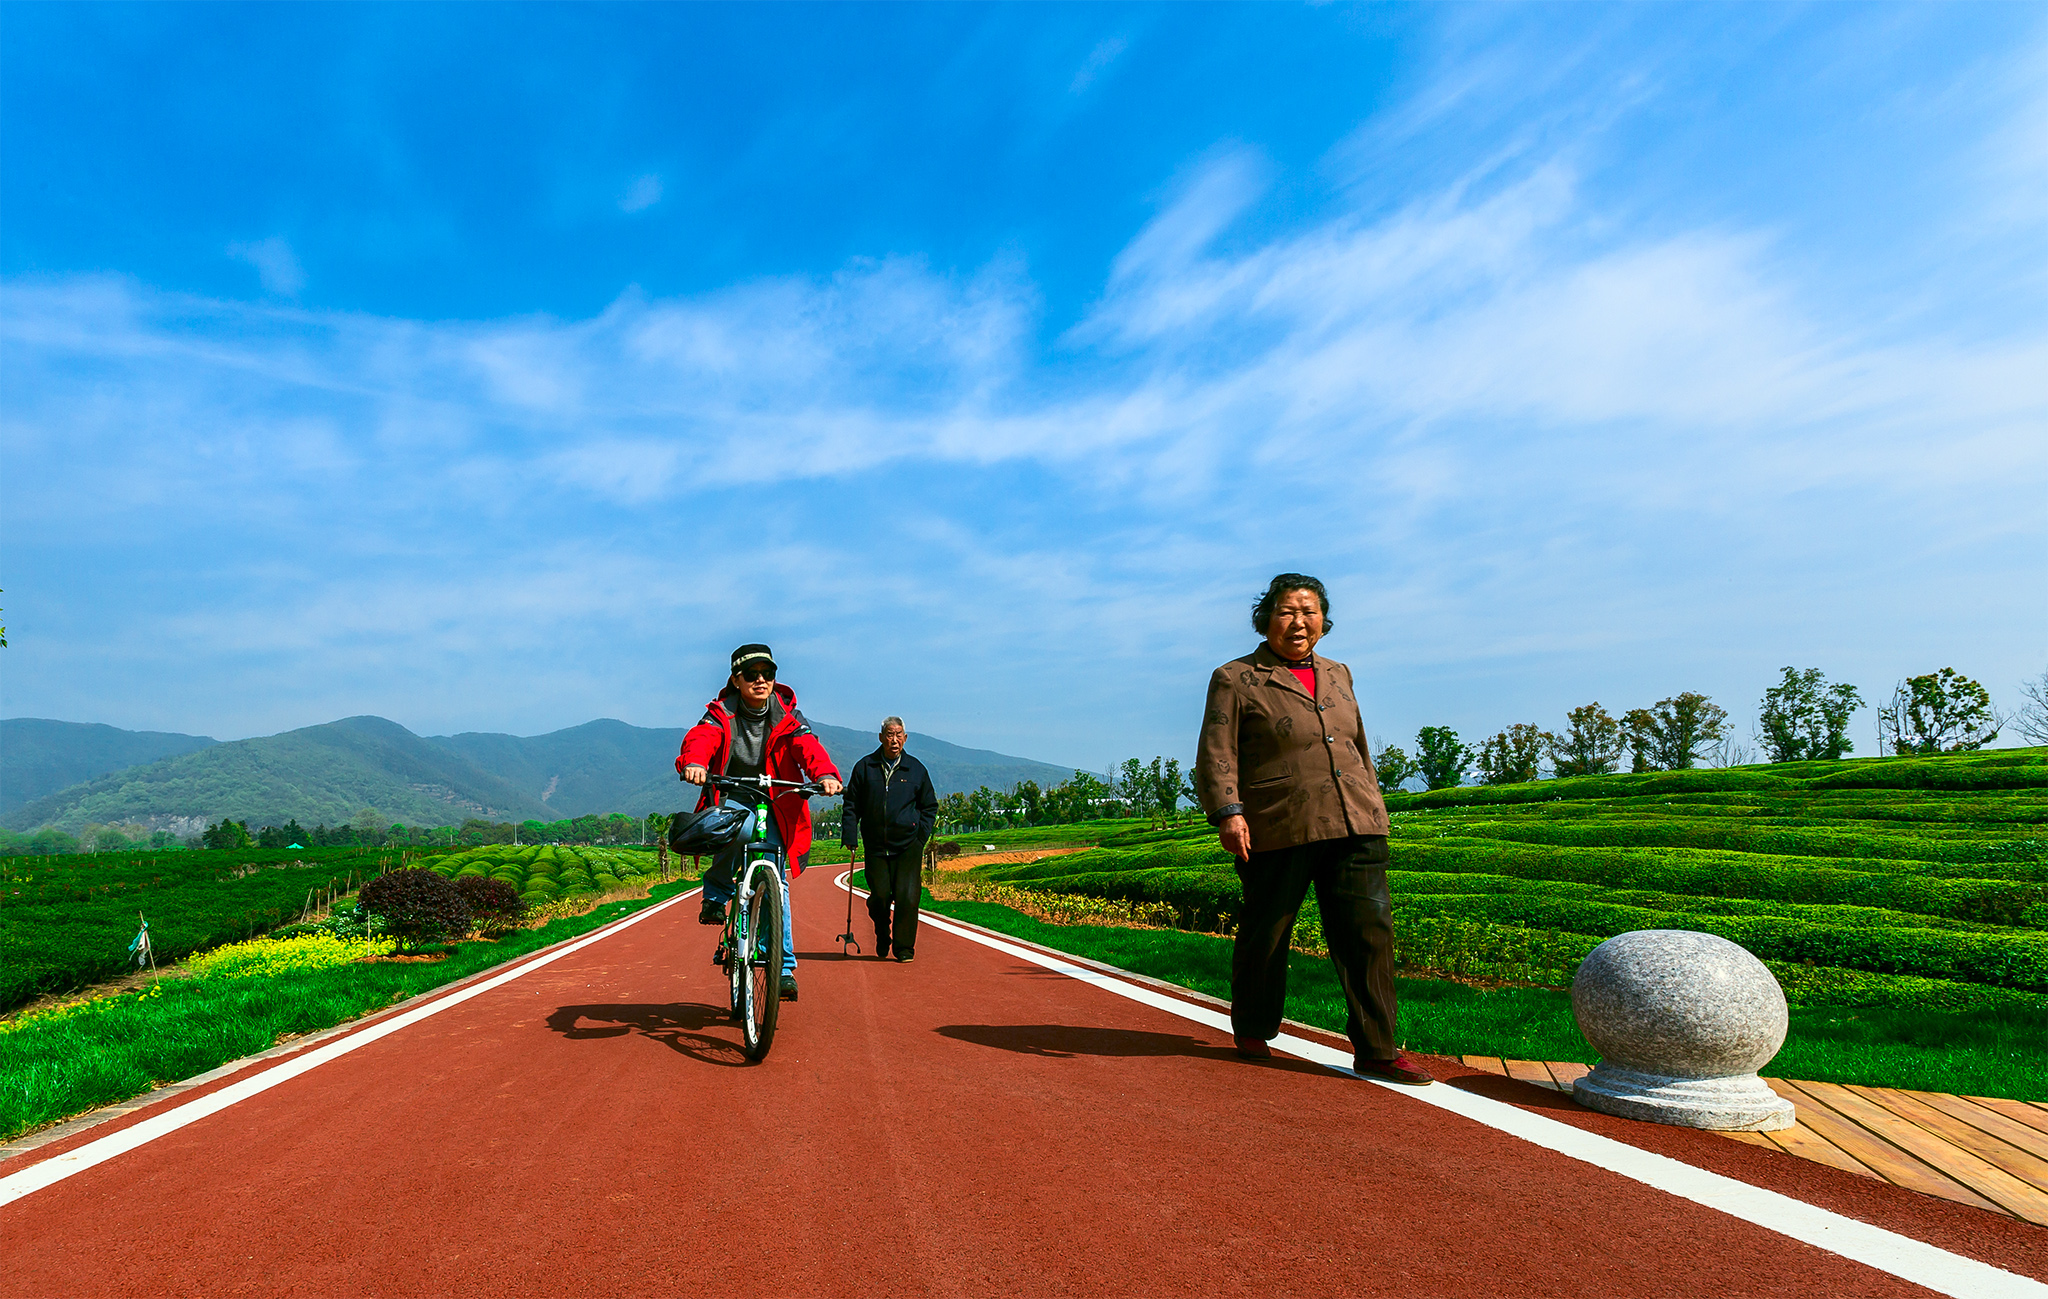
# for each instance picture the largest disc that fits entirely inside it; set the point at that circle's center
(1284, 772)
(889, 798)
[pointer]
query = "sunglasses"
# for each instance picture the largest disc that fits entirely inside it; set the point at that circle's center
(757, 674)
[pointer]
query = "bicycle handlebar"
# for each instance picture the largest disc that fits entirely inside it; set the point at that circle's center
(763, 785)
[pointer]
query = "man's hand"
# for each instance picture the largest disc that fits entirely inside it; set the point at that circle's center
(831, 787)
(1235, 836)
(695, 773)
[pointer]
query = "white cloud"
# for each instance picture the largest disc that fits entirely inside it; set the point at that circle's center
(1098, 61)
(1528, 429)
(276, 265)
(642, 194)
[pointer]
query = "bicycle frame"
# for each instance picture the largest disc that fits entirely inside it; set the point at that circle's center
(753, 961)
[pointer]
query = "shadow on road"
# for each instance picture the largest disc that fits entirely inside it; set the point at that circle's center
(1516, 1092)
(680, 1027)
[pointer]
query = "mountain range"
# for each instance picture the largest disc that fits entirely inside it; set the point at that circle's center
(66, 774)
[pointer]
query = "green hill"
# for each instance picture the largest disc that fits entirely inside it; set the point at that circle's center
(38, 756)
(315, 774)
(328, 773)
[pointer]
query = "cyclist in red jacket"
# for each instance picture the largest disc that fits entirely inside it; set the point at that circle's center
(754, 729)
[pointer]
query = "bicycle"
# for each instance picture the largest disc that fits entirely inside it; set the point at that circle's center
(750, 948)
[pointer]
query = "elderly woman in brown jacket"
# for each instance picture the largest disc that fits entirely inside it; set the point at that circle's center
(1284, 772)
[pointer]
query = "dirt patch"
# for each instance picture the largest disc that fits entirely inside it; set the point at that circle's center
(965, 862)
(93, 992)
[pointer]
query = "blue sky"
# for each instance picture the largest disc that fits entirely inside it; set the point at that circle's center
(497, 368)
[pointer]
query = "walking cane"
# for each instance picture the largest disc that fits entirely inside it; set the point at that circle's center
(848, 937)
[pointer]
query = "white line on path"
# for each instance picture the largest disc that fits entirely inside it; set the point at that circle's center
(58, 1167)
(1887, 1251)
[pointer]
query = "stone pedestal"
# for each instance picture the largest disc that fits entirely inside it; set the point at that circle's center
(1682, 1022)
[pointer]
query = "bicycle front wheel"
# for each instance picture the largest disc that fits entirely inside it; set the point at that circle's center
(757, 966)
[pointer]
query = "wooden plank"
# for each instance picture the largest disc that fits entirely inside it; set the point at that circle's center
(1819, 1114)
(1989, 1120)
(1567, 1072)
(1530, 1071)
(2029, 1169)
(1808, 1144)
(1952, 1146)
(2034, 1116)
(1751, 1138)
(1490, 1063)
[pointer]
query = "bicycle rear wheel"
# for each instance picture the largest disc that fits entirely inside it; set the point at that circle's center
(757, 966)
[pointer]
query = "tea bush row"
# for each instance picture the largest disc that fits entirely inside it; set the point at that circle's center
(67, 921)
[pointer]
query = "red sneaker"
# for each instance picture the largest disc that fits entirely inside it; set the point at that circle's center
(1252, 1048)
(1401, 1069)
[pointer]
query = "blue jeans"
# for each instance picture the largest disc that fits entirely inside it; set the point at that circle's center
(723, 878)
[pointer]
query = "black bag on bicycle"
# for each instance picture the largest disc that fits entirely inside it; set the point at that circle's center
(695, 833)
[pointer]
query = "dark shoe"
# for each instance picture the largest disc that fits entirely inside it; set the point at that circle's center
(1401, 1069)
(711, 913)
(882, 948)
(1252, 1048)
(905, 958)
(789, 987)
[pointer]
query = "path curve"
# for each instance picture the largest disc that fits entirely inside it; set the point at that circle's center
(972, 1123)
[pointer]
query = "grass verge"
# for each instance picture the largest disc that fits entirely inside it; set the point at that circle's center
(1991, 1052)
(58, 1065)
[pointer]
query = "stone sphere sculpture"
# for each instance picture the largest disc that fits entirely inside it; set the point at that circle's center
(1682, 1022)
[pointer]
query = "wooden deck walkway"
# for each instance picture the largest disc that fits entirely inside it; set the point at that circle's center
(1975, 1150)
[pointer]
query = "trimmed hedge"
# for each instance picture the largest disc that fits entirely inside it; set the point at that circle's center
(1959, 845)
(1703, 873)
(2010, 960)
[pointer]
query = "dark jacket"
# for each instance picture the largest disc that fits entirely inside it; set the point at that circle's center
(896, 816)
(792, 753)
(1297, 768)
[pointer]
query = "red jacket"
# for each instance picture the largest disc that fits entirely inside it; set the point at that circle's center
(793, 753)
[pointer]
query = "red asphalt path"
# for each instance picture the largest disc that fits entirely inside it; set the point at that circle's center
(972, 1123)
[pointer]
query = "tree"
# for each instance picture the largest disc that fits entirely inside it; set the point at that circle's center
(1591, 744)
(1441, 758)
(493, 904)
(1511, 757)
(2032, 718)
(1166, 786)
(1804, 719)
(981, 807)
(954, 811)
(1675, 734)
(227, 834)
(415, 905)
(1394, 766)
(1029, 801)
(1134, 788)
(1940, 712)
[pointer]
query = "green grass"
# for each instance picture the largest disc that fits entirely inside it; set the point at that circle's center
(1997, 1051)
(57, 1065)
(65, 922)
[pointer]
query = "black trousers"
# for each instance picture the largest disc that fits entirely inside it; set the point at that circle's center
(1350, 878)
(895, 878)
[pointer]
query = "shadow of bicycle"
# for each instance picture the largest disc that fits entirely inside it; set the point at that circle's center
(678, 1026)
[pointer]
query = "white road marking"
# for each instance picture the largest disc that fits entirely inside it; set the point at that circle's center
(1887, 1251)
(58, 1167)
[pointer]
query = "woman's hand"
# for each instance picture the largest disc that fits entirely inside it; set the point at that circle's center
(831, 787)
(1235, 836)
(695, 773)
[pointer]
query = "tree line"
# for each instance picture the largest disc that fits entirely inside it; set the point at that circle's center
(1154, 790)
(1802, 718)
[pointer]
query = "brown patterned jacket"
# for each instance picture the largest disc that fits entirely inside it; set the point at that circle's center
(1298, 769)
